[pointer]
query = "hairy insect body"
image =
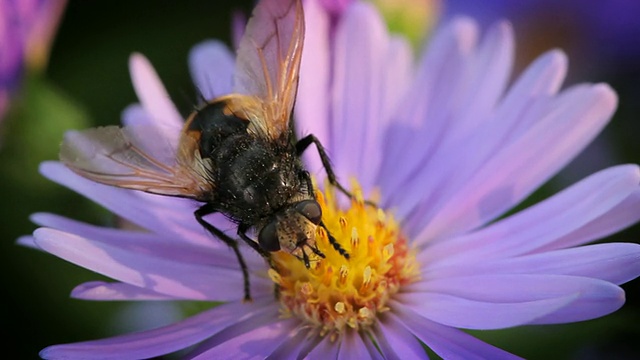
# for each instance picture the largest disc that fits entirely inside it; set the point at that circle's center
(254, 177)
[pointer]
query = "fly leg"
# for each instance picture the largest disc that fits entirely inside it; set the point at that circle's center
(336, 245)
(304, 143)
(232, 243)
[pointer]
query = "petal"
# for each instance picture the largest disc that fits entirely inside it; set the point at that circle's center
(523, 165)
(359, 102)
(395, 341)
(326, 349)
(138, 207)
(589, 306)
(158, 341)
(256, 343)
(246, 337)
(156, 139)
(488, 72)
(621, 216)
(452, 166)
(312, 102)
(179, 279)
(151, 92)
(617, 263)
(483, 79)
(420, 122)
(156, 245)
(542, 223)
(498, 301)
(27, 241)
(98, 290)
(297, 346)
(135, 114)
(447, 342)
(353, 347)
(212, 66)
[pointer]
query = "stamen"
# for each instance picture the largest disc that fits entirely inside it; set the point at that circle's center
(339, 291)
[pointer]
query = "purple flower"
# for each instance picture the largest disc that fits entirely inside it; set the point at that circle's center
(599, 30)
(444, 145)
(26, 32)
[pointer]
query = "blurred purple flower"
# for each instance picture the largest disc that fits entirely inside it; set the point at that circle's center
(27, 28)
(335, 6)
(449, 147)
(607, 30)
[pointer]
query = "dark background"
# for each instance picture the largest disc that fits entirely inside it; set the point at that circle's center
(87, 83)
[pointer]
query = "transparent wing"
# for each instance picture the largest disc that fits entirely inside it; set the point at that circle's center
(268, 62)
(139, 158)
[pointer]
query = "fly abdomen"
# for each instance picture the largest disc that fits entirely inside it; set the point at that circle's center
(215, 124)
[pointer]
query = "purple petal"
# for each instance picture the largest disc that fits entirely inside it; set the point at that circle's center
(487, 76)
(542, 223)
(520, 167)
(138, 207)
(471, 314)
(238, 24)
(360, 70)
(372, 346)
(297, 346)
(420, 122)
(395, 341)
(361, 40)
(485, 73)
(499, 301)
(212, 67)
(254, 344)
(336, 7)
(159, 341)
(27, 241)
(326, 349)
(135, 114)
(621, 216)
(247, 338)
(98, 290)
(617, 263)
(152, 95)
(312, 110)
(145, 243)
(353, 347)
(521, 107)
(446, 341)
(179, 279)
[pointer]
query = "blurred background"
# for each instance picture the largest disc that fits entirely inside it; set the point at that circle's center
(85, 83)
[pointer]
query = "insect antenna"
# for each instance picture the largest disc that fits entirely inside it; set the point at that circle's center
(336, 246)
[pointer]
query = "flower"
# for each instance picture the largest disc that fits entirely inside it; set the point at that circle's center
(444, 146)
(26, 33)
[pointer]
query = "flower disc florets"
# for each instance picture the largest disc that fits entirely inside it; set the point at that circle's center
(338, 293)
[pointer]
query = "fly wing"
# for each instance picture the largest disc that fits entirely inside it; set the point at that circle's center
(268, 62)
(137, 158)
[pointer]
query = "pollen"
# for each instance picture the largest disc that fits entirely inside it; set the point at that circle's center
(338, 293)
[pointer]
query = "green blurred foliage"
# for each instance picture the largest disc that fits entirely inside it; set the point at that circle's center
(87, 84)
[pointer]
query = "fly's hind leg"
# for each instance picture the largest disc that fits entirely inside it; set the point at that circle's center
(304, 143)
(232, 243)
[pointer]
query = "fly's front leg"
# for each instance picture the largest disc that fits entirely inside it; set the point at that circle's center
(304, 143)
(242, 232)
(232, 243)
(332, 240)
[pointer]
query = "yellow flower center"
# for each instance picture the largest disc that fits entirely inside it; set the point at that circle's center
(337, 293)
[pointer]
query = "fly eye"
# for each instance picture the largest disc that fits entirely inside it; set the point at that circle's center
(268, 237)
(311, 210)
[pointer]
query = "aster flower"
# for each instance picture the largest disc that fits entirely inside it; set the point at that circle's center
(26, 32)
(446, 148)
